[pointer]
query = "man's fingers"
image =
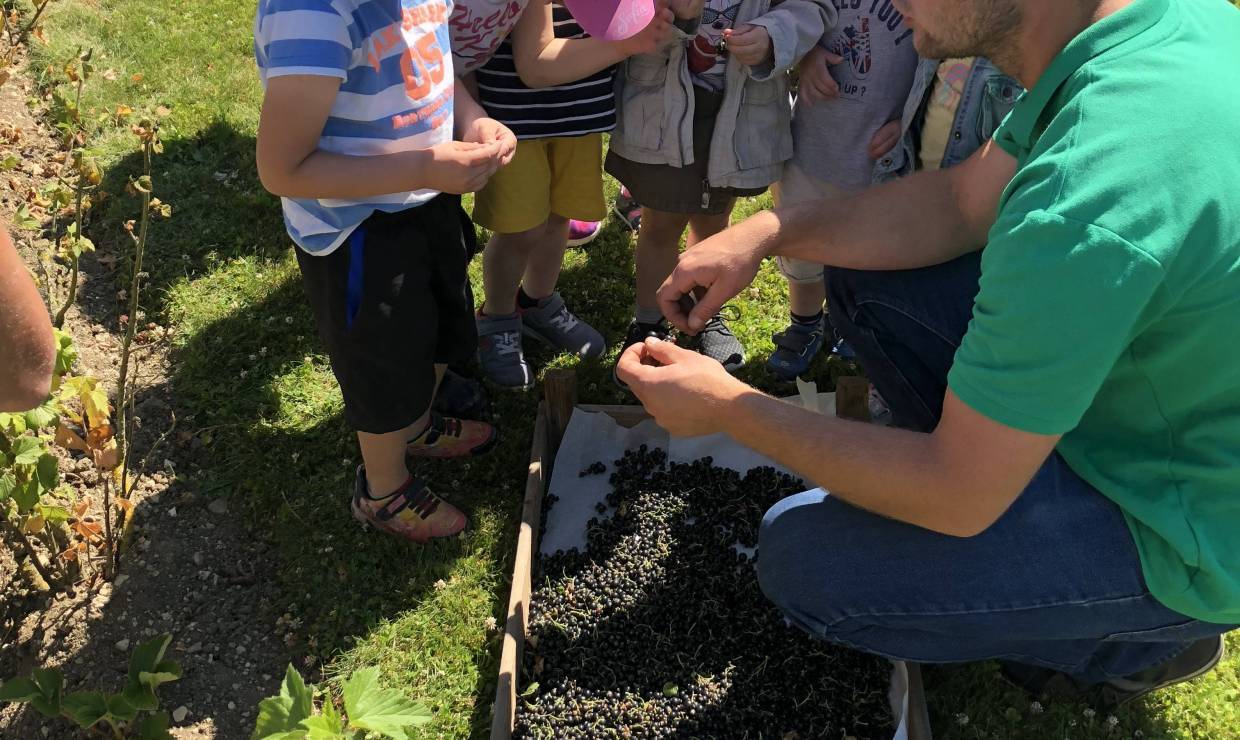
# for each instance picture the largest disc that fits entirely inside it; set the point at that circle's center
(678, 285)
(664, 353)
(707, 306)
(630, 368)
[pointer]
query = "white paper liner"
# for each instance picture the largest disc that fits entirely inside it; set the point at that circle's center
(596, 437)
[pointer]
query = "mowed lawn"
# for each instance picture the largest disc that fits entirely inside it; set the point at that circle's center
(250, 378)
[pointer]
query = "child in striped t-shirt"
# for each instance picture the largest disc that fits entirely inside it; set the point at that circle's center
(368, 137)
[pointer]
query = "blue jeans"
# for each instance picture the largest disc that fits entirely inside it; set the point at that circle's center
(1056, 582)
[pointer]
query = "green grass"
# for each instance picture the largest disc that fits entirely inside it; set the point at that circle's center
(250, 378)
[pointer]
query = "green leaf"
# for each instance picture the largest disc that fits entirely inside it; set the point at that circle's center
(530, 690)
(24, 220)
(86, 707)
(27, 450)
(47, 471)
(377, 709)
(26, 496)
(8, 486)
(15, 423)
(670, 689)
(154, 727)
(325, 726)
(9, 162)
(284, 713)
(53, 514)
(141, 696)
(163, 673)
(18, 690)
(66, 353)
(50, 683)
(147, 656)
(42, 416)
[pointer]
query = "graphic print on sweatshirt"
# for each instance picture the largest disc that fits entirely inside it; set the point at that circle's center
(870, 33)
(706, 64)
(478, 27)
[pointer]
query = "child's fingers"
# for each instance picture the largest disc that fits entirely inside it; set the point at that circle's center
(832, 59)
(744, 36)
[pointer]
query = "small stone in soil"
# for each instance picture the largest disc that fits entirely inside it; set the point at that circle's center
(179, 714)
(123, 645)
(218, 506)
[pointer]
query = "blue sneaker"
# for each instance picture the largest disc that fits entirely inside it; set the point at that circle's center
(795, 348)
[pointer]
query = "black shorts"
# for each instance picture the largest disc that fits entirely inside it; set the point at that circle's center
(392, 302)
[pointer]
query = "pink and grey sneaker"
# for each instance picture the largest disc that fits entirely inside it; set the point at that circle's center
(449, 437)
(413, 511)
(581, 233)
(628, 210)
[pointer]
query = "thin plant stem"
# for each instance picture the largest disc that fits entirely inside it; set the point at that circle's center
(135, 285)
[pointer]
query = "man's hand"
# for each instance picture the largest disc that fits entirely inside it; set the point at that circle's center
(750, 44)
(816, 83)
(657, 34)
(684, 391)
(489, 130)
(461, 167)
(725, 264)
(687, 10)
(885, 139)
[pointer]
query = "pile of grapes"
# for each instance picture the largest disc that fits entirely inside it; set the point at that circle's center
(659, 630)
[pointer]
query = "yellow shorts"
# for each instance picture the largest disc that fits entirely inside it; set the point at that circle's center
(562, 175)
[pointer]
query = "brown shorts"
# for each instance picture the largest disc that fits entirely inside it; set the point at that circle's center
(682, 189)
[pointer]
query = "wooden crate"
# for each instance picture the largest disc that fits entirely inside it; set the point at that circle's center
(553, 417)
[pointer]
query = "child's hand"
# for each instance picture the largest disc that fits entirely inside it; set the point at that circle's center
(459, 167)
(489, 130)
(655, 35)
(886, 139)
(817, 85)
(687, 10)
(750, 44)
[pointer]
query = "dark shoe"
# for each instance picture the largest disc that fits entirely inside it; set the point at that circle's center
(446, 436)
(717, 342)
(795, 349)
(461, 397)
(1198, 659)
(639, 333)
(552, 323)
(500, 353)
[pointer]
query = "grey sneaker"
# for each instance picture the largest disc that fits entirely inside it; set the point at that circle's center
(500, 354)
(552, 323)
(717, 341)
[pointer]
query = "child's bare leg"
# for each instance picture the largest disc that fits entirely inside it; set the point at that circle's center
(542, 267)
(806, 299)
(703, 226)
(504, 261)
(384, 456)
(658, 246)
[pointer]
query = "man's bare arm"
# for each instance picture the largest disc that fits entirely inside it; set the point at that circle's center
(27, 350)
(926, 219)
(957, 480)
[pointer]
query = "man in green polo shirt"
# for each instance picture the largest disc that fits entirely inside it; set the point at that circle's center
(1052, 325)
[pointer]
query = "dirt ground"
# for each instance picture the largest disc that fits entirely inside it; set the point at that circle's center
(191, 569)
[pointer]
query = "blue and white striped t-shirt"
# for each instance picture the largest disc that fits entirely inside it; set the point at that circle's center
(394, 60)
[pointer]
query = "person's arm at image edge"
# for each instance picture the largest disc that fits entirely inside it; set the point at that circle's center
(957, 480)
(27, 348)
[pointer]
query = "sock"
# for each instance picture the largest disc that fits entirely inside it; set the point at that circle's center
(648, 316)
(525, 301)
(807, 320)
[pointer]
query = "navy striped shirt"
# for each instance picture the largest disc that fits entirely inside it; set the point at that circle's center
(394, 62)
(587, 106)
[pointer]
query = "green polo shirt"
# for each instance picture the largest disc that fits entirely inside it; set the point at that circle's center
(1109, 304)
